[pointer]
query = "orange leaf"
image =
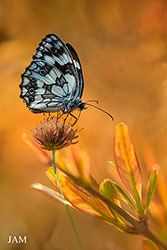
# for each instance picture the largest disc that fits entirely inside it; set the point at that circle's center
(126, 160)
(158, 214)
(162, 187)
(77, 163)
(83, 200)
(70, 195)
(149, 245)
(42, 155)
(79, 159)
(98, 205)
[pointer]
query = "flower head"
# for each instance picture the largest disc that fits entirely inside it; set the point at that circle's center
(54, 134)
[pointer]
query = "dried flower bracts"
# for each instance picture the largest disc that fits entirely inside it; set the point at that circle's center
(54, 134)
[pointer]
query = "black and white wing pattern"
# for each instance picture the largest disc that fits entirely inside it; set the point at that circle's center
(54, 80)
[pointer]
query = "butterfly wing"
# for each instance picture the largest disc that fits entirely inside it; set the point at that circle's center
(53, 79)
(78, 68)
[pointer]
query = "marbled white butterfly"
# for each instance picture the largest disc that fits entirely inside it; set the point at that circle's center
(54, 81)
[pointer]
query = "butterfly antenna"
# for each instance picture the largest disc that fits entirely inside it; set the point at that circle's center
(92, 101)
(100, 110)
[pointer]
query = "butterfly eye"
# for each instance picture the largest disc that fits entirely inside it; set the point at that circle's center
(31, 91)
(42, 72)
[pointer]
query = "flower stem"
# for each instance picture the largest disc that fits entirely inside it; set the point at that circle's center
(67, 208)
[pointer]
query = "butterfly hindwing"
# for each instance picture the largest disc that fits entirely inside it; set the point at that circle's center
(78, 68)
(53, 81)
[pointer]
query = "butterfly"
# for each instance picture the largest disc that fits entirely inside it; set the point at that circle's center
(53, 81)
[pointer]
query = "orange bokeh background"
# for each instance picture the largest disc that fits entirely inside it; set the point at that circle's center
(122, 46)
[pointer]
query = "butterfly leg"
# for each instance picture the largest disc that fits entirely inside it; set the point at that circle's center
(76, 118)
(59, 115)
(65, 118)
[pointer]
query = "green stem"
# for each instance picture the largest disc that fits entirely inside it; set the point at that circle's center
(67, 208)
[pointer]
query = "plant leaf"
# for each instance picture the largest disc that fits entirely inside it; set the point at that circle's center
(108, 191)
(50, 192)
(106, 188)
(71, 196)
(158, 214)
(149, 245)
(83, 200)
(99, 206)
(152, 186)
(162, 187)
(41, 154)
(124, 196)
(75, 161)
(127, 164)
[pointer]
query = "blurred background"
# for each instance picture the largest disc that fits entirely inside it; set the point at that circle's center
(122, 46)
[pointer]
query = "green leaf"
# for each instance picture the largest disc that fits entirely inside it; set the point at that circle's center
(108, 191)
(124, 196)
(111, 191)
(151, 189)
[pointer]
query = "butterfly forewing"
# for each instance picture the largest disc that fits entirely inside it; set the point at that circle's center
(53, 81)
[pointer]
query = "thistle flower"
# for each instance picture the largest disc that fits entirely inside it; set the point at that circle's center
(54, 134)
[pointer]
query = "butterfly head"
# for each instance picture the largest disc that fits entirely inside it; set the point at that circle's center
(81, 105)
(70, 106)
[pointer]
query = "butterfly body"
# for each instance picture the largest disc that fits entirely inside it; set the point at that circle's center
(53, 81)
